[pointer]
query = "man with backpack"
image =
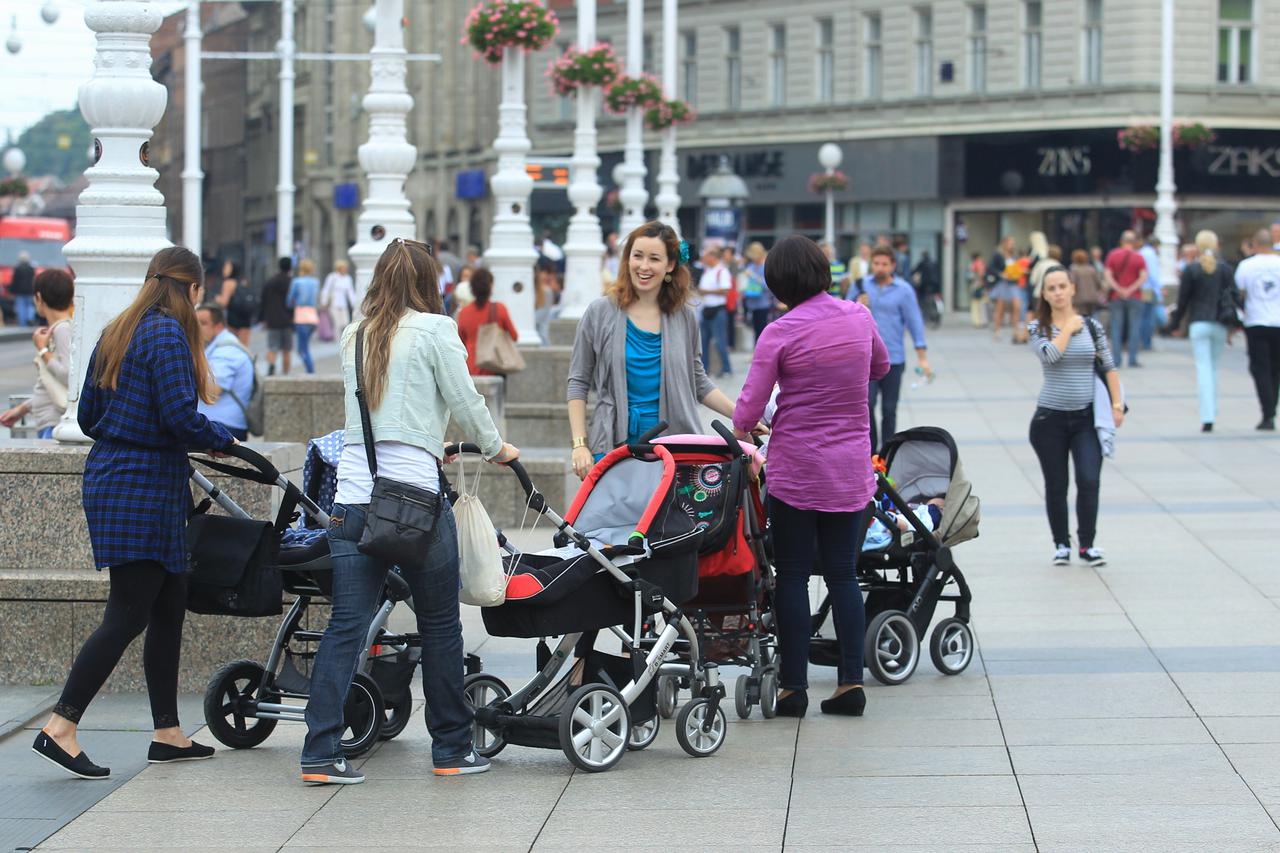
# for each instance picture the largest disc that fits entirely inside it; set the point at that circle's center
(238, 406)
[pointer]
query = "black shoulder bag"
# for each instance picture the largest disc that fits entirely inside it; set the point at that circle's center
(398, 525)
(1092, 325)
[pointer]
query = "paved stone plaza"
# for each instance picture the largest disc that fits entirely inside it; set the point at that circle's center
(1135, 707)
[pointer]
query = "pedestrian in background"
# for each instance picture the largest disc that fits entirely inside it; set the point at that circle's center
(729, 257)
(1207, 304)
(231, 366)
(713, 290)
(979, 303)
(1091, 295)
(1063, 428)
(839, 271)
(546, 297)
(22, 289)
(1125, 272)
(755, 292)
(277, 316)
(1001, 290)
(481, 308)
(304, 293)
(239, 300)
(53, 295)
(1258, 278)
(142, 387)
(339, 292)
(1153, 313)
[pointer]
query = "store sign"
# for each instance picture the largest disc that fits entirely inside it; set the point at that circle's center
(1064, 160)
(1236, 160)
(722, 223)
(747, 164)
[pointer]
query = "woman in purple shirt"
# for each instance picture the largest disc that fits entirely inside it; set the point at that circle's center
(821, 354)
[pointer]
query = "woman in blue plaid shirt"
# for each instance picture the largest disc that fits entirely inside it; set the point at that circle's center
(144, 380)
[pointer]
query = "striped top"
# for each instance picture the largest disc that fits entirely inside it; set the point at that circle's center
(1068, 377)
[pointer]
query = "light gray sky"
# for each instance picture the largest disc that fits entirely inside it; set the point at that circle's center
(55, 59)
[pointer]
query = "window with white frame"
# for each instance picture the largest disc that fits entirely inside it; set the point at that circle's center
(778, 64)
(872, 49)
(826, 60)
(733, 67)
(1032, 43)
(691, 67)
(977, 53)
(924, 51)
(1092, 42)
(1235, 41)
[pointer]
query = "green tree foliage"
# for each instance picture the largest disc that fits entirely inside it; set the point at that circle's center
(57, 145)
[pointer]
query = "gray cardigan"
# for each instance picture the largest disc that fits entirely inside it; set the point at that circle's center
(599, 364)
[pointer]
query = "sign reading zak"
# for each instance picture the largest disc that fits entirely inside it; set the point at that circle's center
(1230, 161)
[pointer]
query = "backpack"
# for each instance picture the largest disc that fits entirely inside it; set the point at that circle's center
(254, 409)
(244, 301)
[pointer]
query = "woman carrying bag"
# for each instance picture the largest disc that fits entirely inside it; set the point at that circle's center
(405, 373)
(480, 312)
(144, 380)
(1207, 301)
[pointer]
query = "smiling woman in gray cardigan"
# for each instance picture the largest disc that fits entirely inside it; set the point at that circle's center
(646, 307)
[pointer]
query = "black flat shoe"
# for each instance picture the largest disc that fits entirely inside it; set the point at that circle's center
(793, 704)
(163, 753)
(1207, 426)
(80, 765)
(849, 703)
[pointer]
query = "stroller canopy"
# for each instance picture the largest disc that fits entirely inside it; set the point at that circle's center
(923, 463)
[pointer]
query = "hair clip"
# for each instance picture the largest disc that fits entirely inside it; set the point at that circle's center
(684, 251)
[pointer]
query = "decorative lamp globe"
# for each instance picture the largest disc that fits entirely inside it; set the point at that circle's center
(830, 155)
(49, 12)
(370, 19)
(14, 161)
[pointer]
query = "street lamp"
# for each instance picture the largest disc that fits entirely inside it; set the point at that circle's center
(633, 194)
(1166, 207)
(830, 157)
(585, 245)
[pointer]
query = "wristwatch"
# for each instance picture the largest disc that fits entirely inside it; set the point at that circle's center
(42, 353)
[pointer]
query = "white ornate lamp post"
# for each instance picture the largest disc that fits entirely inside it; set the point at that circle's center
(387, 157)
(284, 187)
(192, 175)
(511, 255)
(829, 157)
(584, 247)
(1166, 207)
(633, 194)
(668, 197)
(120, 216)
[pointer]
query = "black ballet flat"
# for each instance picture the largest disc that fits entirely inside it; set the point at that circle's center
(80, 765)
(794, 704)
(850, 703)
(163, 753)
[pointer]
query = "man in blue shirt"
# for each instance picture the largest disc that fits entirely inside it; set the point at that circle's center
(232, 369)
(893, 304)
(1152, 293)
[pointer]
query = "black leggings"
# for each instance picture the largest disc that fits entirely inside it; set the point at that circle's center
(143, 596)
(1058, 437)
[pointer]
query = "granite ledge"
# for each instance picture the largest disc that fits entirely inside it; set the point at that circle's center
(33, 456)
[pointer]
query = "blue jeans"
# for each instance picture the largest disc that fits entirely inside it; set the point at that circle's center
(303, 331)
(46, 433)
(1126, 313)
(1147, 327)
(799, 536)
(357, 582)
(887, 388)
(1207, 340)
(24, 307)
(715, 327)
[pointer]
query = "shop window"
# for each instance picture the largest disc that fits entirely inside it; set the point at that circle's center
(762, 217)
(826, 60)
(874, 54)
(733, 68)
(924, 51)
(1032, 43)
(977, 53)
(1092, 42)
(1235, 41)
(778, 64)
(691, 67)
(809, 217)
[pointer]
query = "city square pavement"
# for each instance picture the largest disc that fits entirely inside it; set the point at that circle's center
(1132, 707)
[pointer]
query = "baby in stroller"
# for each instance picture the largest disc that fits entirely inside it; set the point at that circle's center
(928, 514)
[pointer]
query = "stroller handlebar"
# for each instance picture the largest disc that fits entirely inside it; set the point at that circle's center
(260, 468)
(730, 439)
(515, 466)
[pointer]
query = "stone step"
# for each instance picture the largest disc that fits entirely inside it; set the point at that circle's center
(538, 425)
(563, 332)
(545, 378)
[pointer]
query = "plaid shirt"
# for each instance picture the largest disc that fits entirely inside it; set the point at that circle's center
(136, 496)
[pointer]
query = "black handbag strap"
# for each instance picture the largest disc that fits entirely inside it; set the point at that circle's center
(365, 425)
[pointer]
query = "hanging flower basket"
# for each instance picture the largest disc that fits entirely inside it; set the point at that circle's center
(820, 182)
(595, 66)
(626, 92)
(498, 24)
(14, 187)
(666, 114)
(1194, 135)
(1140, 137)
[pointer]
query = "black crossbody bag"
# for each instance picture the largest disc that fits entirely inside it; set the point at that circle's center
(401, 517)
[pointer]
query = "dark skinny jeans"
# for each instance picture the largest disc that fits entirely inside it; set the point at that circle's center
(143, 596)
(1264, 365)
(800, 536)
(1055, 435)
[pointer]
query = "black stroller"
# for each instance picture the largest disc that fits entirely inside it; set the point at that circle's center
(905, 581)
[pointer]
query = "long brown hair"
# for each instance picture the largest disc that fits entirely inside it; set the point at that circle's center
(1044, 311)
(403, 280)
(675, 293)
(169, 278)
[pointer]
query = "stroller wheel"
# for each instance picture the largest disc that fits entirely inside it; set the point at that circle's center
(893, 648)
(595, 726)
(644, 734)
(769, 695)
(396, 717)
(482, 690)
(696, 735)
(742, 697)
(667, 690)
(362, 716)
(951, 646)
(230, 703)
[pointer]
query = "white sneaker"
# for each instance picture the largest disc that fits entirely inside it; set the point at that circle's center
(1062, 556)
(1093, 557)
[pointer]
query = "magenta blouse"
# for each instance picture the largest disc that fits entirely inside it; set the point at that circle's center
(821, 354)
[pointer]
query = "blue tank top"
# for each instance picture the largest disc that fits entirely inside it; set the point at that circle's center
(644, 380)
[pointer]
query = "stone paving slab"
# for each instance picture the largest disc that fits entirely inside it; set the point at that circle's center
(1126, 708)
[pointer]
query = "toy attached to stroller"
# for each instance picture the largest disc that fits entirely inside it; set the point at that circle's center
(905, 580)
(626, 551)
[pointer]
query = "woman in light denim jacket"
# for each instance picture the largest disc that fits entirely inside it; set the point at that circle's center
(415, 377)
(304, 291)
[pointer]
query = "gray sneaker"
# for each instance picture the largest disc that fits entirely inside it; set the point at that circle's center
(470, 763)
(338, 773)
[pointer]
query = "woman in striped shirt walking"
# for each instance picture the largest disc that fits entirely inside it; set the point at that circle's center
(1063, 427)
